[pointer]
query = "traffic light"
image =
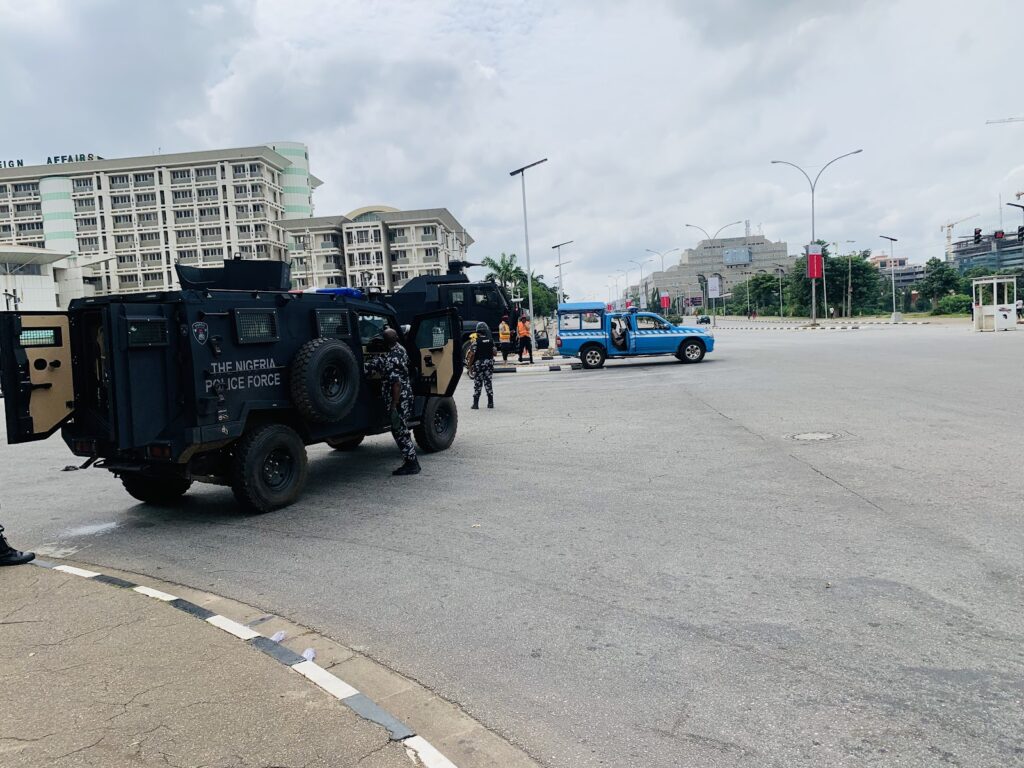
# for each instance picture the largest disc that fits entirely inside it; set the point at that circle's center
(999, 235)
(1020, 233)
(977, 235)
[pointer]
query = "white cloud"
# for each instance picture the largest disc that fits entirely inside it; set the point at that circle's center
(653, 113)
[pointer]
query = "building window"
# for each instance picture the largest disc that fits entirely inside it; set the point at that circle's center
(181, 194)
(430, 253)
(376, 235)
(362, 236)
(149, 237)
(430, 231)
(119, 179)
(147, 198)
(213, 253)
(147, 217)
(143, 178)
(123, 219)
(204, 173)
(30, 226)
(210, 232)
(83, 185)
(26, 188)
(208, 194)
(205, 212)
(186, 253)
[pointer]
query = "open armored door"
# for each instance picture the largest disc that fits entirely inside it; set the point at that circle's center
(35, 372)
(434, 347)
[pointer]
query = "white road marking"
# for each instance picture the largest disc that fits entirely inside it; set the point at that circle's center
(150, 592)
(76, 571)
(427, 753)
(333, 685)
(233, 627)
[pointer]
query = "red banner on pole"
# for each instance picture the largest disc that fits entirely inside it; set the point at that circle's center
(666, 302)
(815, 267)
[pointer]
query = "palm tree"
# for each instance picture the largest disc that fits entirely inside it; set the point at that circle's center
(504, 270)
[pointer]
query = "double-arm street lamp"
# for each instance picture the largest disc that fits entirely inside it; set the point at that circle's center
(521, 173)
(711, 240)
(896, 316)
(640, 285)
(813, 185)
(558, 249)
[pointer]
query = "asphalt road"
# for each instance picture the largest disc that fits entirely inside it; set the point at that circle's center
(639, 566)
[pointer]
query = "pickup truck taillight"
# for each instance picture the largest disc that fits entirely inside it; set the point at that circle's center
(558, 341)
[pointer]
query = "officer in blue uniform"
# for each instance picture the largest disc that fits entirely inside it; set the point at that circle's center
(396, 391)
(481, 353)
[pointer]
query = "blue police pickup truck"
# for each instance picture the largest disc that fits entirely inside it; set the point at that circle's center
(589, 331)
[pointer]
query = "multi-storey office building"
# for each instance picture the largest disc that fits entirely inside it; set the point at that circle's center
(993, 253)
(374, 246)
(131, 219)
(732, 259)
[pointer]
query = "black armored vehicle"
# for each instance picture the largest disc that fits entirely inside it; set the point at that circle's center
(225, 381)
(483, 302)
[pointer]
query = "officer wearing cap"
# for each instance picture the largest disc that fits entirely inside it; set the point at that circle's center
(396, 391)
(481, 356)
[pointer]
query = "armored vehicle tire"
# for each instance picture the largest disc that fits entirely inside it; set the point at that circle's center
(268, 469)
(691, 351)
(592, 356)
(440, 423)
(325, 379)
(346, 444)
(159, 491)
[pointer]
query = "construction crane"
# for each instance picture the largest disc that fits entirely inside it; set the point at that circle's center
(949, 233)
(1005, 120)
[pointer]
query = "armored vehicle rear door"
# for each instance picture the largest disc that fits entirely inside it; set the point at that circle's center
(434, 346)
(35, 372)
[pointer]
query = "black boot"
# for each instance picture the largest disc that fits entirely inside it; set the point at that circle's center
(11, 556)
(476, 403)
(490, 401)
(410, 467)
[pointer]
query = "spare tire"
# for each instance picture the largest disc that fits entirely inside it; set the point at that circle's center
(325, 380)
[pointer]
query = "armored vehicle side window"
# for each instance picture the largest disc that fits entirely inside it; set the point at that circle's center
(256, 326)
(434, 333)
(457, 296)
(371, 325)
(333, 323)
(40, 337)
(487, 296)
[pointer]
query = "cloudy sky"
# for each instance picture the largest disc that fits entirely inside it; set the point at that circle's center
(653, 113)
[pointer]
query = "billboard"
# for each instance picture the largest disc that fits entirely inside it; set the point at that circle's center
(714, 287)
(736, 256)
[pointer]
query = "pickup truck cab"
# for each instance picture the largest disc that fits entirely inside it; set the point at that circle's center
(589, 331)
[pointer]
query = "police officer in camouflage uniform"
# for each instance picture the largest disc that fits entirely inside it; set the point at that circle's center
(396, 390)
(481, 353)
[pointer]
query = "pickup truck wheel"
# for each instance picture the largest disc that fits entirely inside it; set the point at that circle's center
(159, 491)
(691, 351)
(268, 468)
(347, 444)
(440, 423)
(325, 379)
(592, 356)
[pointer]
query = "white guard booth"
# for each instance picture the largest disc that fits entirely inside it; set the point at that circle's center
(995, 303)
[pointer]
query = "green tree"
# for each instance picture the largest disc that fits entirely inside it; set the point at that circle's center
(545, 297)
(940, 279)
(504, 270)
(954, 304)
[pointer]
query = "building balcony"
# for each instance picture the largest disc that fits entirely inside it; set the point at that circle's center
(89, 248)
(28, 215)
(186, 240)
(123, 224)
(86, 227)
(127, 262)
(83, 190)
(24, 195)
(189, 259)
(122, 185)
(121, 206)
(212, 238)
(206, 199)
(85, 208)
(129, 246)
(428, 238)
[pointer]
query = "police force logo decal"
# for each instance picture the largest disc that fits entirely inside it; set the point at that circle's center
(201, 331)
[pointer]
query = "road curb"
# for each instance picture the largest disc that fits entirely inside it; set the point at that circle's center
(535, 369)
(420, 751)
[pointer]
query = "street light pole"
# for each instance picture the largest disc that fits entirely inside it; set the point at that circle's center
(849, 281)
(521, 172)
(813, 185)
(896, 316)
(640, 284)
(712, 241)
(558, 248)
(782, 271)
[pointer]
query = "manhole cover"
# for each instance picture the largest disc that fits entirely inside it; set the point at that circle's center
(814, 437)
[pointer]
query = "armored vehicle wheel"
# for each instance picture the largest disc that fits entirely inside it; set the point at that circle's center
(440, 423)
(347, 444)
(691, 351)
(325, 380)
(159, 491)
(592, 356)
(268, 470)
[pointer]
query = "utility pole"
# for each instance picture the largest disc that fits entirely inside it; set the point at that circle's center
(896, 316)
(849, 281)
(521, 172)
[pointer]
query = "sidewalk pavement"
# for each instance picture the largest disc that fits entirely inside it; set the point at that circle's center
(94, 675)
